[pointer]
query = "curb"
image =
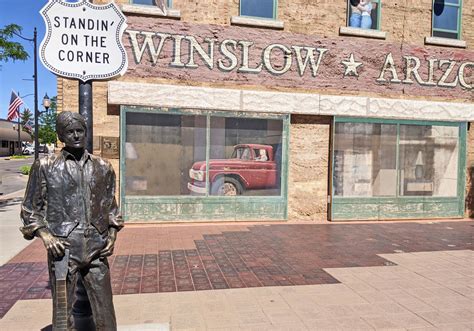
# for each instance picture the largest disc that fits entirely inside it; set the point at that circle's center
(16, 194)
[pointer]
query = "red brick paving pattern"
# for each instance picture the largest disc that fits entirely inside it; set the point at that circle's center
(236, 256)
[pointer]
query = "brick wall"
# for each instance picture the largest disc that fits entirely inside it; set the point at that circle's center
(405, 21)
(309, 167)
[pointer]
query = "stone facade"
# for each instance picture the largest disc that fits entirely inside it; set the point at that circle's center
(310, 135)
(309, 167)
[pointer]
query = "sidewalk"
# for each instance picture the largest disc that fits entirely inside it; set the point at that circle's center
(279, 276)
(11, 240)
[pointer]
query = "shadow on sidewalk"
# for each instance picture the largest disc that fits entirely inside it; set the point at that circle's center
(8, 203)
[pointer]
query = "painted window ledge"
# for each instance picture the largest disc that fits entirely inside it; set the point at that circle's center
(445, 42)
(256, 22)
(151, 11)
(367, 33)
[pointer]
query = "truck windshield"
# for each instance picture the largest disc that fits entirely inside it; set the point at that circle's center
(241, 153)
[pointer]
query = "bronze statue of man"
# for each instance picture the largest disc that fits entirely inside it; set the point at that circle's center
(70, 204)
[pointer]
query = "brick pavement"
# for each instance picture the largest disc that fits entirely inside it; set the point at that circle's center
(170, 258)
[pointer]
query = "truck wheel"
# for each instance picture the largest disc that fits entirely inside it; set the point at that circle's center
(227, 186)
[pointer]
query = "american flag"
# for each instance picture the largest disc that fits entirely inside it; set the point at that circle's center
(28, 126)
(14, 107)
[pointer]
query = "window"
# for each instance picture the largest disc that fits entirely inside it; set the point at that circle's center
(394, 169)
(365, 160)
(428, 160)
(182, 155)
(237, 165)
(258, 8)
(168, 3)
(447, 18)
(364, 14)
(4, 143)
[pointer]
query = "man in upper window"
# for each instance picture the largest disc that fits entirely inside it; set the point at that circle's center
(70, 205)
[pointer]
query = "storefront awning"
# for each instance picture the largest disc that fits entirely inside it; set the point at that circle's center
(12, 135)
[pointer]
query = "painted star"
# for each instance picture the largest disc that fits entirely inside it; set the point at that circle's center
(351, 66)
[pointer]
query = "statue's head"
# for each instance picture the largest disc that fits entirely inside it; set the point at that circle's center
(71, 129)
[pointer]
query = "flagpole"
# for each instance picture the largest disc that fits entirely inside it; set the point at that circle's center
(19, 149)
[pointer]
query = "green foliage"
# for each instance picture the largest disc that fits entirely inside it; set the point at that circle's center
(10, 49)
(47, 130)
(25, 170)
(26, 117)
(15, 157)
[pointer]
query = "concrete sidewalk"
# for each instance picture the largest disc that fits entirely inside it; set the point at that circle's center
(272, 276)
(424, 291)
(11, 240)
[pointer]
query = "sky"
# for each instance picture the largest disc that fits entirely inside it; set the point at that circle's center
(18, 75)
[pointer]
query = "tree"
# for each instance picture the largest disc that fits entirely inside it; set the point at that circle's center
(10, 49)
(26, 119)
(47, 129)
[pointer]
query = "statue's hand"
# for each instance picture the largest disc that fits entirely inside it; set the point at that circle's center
(54, 246)
(109, 246)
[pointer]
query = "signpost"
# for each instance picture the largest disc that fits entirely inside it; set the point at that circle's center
(84, 41)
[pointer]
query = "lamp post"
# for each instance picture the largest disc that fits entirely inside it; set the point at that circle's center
(35, 76)
(46, 101)
(46, 105)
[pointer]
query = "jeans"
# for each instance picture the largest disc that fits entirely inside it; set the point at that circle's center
(360, 21)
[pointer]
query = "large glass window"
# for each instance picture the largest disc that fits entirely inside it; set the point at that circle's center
(159, 151)
(245, 156)
(447, 18)
(364, 14)
(428, 160)
(202, 154)
(377, 160)
(258, 8)
(365, 159)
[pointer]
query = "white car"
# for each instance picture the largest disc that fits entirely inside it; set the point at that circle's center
(28, 150)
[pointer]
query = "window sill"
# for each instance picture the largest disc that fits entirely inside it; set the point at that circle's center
(357, 32)
(438, 41)
(151, 11)
(257, 22)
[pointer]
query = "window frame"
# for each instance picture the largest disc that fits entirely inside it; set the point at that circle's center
(275, 11)
(400, 201)
(459, 23)
(252, 205)
(169, 3)
(379, 14)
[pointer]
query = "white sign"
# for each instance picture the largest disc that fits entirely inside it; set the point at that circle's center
(83, 40)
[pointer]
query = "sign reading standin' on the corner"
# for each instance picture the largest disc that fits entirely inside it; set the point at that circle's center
(83, 40)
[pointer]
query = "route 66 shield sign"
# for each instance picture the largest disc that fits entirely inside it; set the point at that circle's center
(83, 40)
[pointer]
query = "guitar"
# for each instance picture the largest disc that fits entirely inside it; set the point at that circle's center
(60, 271)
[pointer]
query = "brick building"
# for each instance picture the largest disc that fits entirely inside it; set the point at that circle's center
(356, 122)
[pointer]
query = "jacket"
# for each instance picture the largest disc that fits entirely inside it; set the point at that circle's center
(62, 193)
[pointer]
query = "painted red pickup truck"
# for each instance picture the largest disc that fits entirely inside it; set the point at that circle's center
(251, 166)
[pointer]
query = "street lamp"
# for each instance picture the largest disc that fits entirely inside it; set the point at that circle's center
(46, 101)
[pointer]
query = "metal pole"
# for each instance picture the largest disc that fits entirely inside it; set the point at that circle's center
(85, 109)
(19, 139)
(36, 97)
